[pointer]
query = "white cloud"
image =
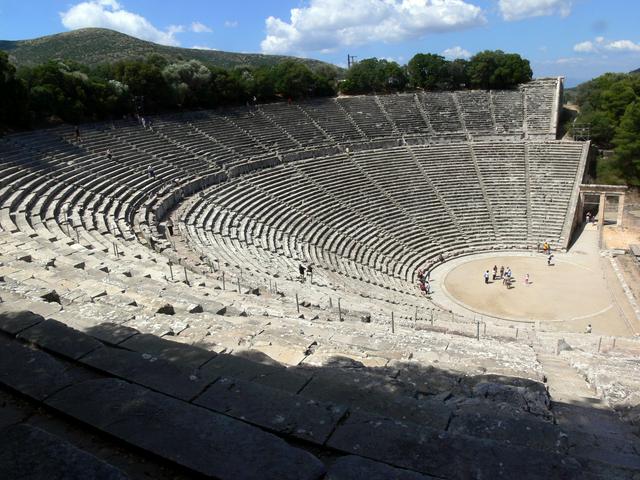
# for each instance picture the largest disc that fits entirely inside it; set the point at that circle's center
(231, 23)
(584, 47)
(519, 9)
(198, 27)
(325, 25)
(601, 44)
(623, 46)
(456, 52)
(110, 14)
(203, 47)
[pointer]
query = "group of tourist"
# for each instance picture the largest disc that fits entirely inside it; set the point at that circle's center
(590, 218)
(424, 281)
(504, 274)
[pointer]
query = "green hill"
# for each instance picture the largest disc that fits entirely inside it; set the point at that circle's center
(94, 46)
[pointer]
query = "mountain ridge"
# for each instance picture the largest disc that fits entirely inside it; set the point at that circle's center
(95, 46)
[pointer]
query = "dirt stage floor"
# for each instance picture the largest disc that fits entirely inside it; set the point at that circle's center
(564, 291)
(582, 288)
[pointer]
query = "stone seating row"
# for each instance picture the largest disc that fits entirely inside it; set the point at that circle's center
(402, 210)
(141, 384)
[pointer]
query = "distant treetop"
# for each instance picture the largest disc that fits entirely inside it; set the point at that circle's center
(487, 69)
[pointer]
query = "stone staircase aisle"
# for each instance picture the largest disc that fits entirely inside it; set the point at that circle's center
(594, 431)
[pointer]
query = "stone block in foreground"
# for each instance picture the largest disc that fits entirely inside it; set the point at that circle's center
(191, 436)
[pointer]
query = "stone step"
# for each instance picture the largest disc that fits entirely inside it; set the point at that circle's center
(198, 439)
(29, 452)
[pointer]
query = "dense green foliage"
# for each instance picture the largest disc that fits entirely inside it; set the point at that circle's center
(499, 70)
(610, 106)
(13, 95)
(373, 75)
(75, 93)
(487, 69)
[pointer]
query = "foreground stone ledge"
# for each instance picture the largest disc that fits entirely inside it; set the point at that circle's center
(352, 467)
(14, 322)
(273, 409)
(28, 452)
(31, 372)
(150, 371)
(446, 455)
(57, 337)
(191, 436)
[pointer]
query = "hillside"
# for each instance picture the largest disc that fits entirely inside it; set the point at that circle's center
(94, 46)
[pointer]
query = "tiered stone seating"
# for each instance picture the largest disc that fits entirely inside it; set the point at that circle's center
(330, 117)
(508, 109)
(390, 210)
(466, 205)
(551, 180)
(443, 114)
(503, 171)
(229, 135)
(230, 359)
(366, 113)
(183, 403)
(256, 125)
(476, 111)
(540, 101)
(294, 121)
(405, 113)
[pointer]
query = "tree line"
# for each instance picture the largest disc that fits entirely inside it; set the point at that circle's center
(490, 69)
(610, 108)
(72, 92)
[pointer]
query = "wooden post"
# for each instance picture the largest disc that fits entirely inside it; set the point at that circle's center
(270, 289)
(186, 278)
(297, 303)
(599, 343)
(415, 315)
(239, 285)
(393, 326)
(171, 269)
(330, 303)
(516, 333)
(614, 343)
(478, 330)
(223, 285)
(339, 311)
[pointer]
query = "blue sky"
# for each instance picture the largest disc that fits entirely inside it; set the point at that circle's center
(578, 39)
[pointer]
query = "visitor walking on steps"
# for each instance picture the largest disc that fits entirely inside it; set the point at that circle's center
(77, 132)
(495, 272)
(501, 271)
(109, 156)
(301, 269)
(550, 260)
(588, 329)
(486, 276)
